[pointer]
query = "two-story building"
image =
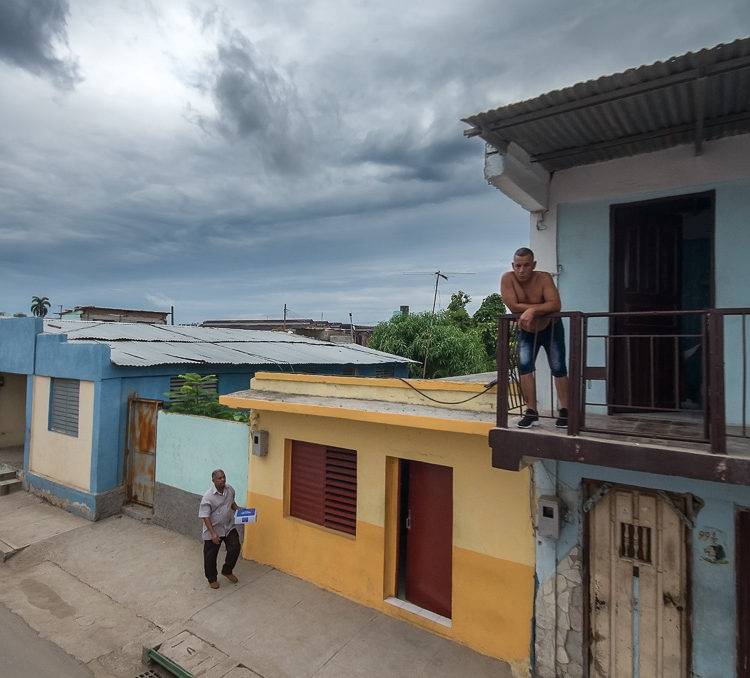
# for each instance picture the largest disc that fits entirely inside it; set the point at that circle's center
(638, 189)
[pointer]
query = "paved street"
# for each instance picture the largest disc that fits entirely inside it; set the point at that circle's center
(102, 591)
(24, 654)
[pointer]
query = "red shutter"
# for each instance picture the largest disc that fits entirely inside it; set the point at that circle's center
(324, 486)
(341, 490)
(308, 482)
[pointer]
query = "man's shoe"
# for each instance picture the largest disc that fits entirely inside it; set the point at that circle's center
(531, 418)
(213, 584)
(562, 420)
(231, 578)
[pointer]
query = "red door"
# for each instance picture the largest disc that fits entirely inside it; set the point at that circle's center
(429, 537)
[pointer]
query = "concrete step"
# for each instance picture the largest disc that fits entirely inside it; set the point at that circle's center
(8, 485)
(7, 473)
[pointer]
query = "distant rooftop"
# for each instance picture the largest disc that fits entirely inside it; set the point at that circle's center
(139, 344)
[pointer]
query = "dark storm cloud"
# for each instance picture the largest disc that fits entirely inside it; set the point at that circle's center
(30, 33)
(257, 103)
(431, 157)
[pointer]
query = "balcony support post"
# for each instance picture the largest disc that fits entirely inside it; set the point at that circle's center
(575, 372)
(716, 401)
(503, 370)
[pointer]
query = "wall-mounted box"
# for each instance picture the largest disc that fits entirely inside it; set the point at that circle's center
(548, 510)
(259, 443)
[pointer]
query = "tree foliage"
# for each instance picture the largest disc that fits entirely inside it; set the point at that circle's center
(198, 396)
(458, 343)
(40, 306)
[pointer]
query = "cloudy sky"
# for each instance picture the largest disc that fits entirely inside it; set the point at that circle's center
(230, 157)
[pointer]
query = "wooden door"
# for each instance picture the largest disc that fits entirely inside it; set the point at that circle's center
(638, 614)
(646, 277)
(743, 594)
(140, 453)
(429, 537)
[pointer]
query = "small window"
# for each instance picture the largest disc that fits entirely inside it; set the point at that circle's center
(324, 486)
(348, 372)
(176, 383)
(63, 409)
(384, 372)
(635, 542)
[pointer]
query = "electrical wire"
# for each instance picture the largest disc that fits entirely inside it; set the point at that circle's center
(449, 402)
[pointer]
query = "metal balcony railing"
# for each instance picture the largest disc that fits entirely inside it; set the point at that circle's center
(671, 375)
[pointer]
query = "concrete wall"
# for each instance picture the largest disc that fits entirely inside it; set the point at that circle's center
(188, 449)
(493, 547)
(12, 409)
(712, 584)
(59, 457)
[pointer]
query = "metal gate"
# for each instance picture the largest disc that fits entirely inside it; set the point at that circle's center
(637, 585)
(140, 450)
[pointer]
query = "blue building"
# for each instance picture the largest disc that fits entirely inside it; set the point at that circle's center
(81, 398)
(638, 191)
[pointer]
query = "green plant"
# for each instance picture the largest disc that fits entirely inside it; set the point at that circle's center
(39, 306)
(198, 396)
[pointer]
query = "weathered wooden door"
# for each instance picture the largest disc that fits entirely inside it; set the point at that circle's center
(429, 537)
(638, 614)
(140, 452)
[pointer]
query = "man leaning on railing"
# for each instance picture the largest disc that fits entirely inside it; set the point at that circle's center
(533, 295)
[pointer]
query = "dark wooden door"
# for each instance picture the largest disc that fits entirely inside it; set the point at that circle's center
(429, 538)
(646, 277)
(743, 594)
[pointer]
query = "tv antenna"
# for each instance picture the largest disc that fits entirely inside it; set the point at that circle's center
(438, 274)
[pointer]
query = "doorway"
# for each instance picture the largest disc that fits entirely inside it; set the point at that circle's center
(638, 609)
(425, 544)
(743, 593)
(140, 450)
(661, 260)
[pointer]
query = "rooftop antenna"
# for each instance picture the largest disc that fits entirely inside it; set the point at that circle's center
(438, 274)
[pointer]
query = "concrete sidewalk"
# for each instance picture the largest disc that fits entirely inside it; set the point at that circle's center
(102, 591)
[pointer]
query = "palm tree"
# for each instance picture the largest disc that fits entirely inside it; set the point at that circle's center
(39, 306)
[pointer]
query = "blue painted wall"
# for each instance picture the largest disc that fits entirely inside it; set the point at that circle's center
(189, 448)
(712, 585)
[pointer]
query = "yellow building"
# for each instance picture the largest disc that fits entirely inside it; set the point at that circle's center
(383, 491)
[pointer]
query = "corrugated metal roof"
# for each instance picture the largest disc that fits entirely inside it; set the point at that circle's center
(698, 96)
(138, 344)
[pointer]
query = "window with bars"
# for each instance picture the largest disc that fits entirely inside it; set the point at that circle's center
(63, 406)
(323, 487)
(384, 372)
(176, 383)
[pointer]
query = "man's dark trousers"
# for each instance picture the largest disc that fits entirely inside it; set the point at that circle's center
(211, 553)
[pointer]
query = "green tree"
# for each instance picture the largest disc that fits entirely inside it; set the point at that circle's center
(453, 351)
(198, 396)
(457, 312)
(39, 306)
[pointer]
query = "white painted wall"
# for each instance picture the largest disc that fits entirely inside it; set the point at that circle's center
(59, 457)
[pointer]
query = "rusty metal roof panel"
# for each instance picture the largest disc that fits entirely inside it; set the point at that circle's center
(698, 96)
(137, 344)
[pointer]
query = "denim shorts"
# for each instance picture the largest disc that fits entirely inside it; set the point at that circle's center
(552, 338)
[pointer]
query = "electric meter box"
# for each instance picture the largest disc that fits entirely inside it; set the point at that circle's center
(548, 511)
(260, 443)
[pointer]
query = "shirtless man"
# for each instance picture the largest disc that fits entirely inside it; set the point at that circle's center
(533, 294)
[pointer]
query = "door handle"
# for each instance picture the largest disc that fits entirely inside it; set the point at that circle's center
(408, 520)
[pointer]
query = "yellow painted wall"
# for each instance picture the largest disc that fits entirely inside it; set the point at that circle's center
(62, 458)
(493, 554)
(12, 410)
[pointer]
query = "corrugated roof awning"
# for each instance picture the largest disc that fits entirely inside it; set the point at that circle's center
(692, 98)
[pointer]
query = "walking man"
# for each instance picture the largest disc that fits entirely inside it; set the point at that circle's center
(217, 510)
(533, 294)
